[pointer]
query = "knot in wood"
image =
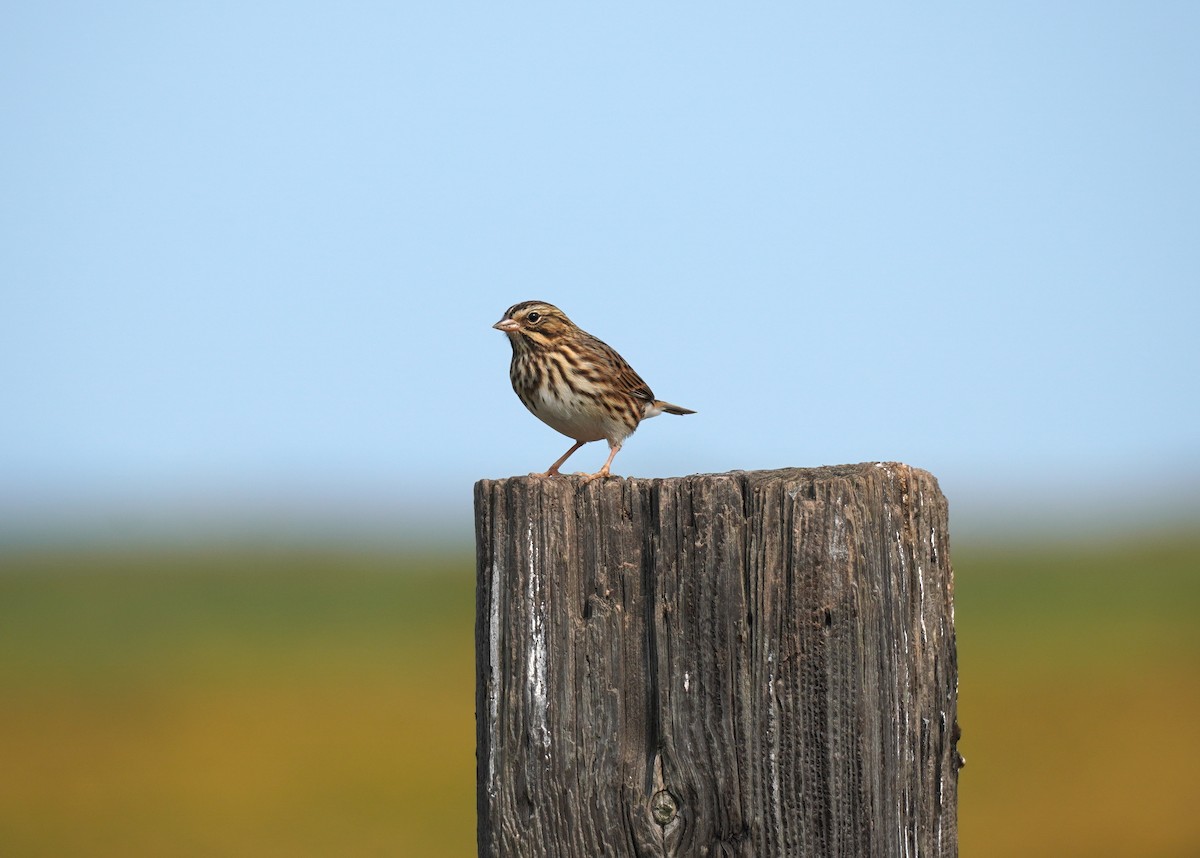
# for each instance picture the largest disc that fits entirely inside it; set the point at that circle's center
(664, 807)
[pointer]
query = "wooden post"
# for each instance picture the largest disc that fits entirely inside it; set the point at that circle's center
(753, 663)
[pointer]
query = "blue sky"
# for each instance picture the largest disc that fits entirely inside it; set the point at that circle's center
(251, 253)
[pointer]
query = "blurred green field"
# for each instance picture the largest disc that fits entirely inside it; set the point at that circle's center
(1079, 697)
(236, 703)
(269, 703)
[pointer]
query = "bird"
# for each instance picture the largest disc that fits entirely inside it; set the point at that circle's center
(574, 382)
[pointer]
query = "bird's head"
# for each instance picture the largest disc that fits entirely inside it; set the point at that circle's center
(533, 324)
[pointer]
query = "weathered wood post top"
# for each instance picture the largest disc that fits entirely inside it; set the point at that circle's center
(751, 663)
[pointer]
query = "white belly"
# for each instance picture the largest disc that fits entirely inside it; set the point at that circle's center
(578, 417)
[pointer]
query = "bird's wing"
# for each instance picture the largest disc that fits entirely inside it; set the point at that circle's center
(622, 373)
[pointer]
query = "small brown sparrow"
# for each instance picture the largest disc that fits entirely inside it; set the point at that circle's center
(575, 383)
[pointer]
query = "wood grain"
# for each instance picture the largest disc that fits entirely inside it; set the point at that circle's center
(751, 663)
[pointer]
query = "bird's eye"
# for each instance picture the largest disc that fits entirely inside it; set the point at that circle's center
(533, 318)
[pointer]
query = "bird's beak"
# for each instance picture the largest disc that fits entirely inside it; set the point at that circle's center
(506, 325)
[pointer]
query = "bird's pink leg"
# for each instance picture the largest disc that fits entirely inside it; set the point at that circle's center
(552, 471)
(603, 472)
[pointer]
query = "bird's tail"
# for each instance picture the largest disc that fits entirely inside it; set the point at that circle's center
(660, 406)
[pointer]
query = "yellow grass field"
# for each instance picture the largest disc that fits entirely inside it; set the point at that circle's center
(301, 703)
